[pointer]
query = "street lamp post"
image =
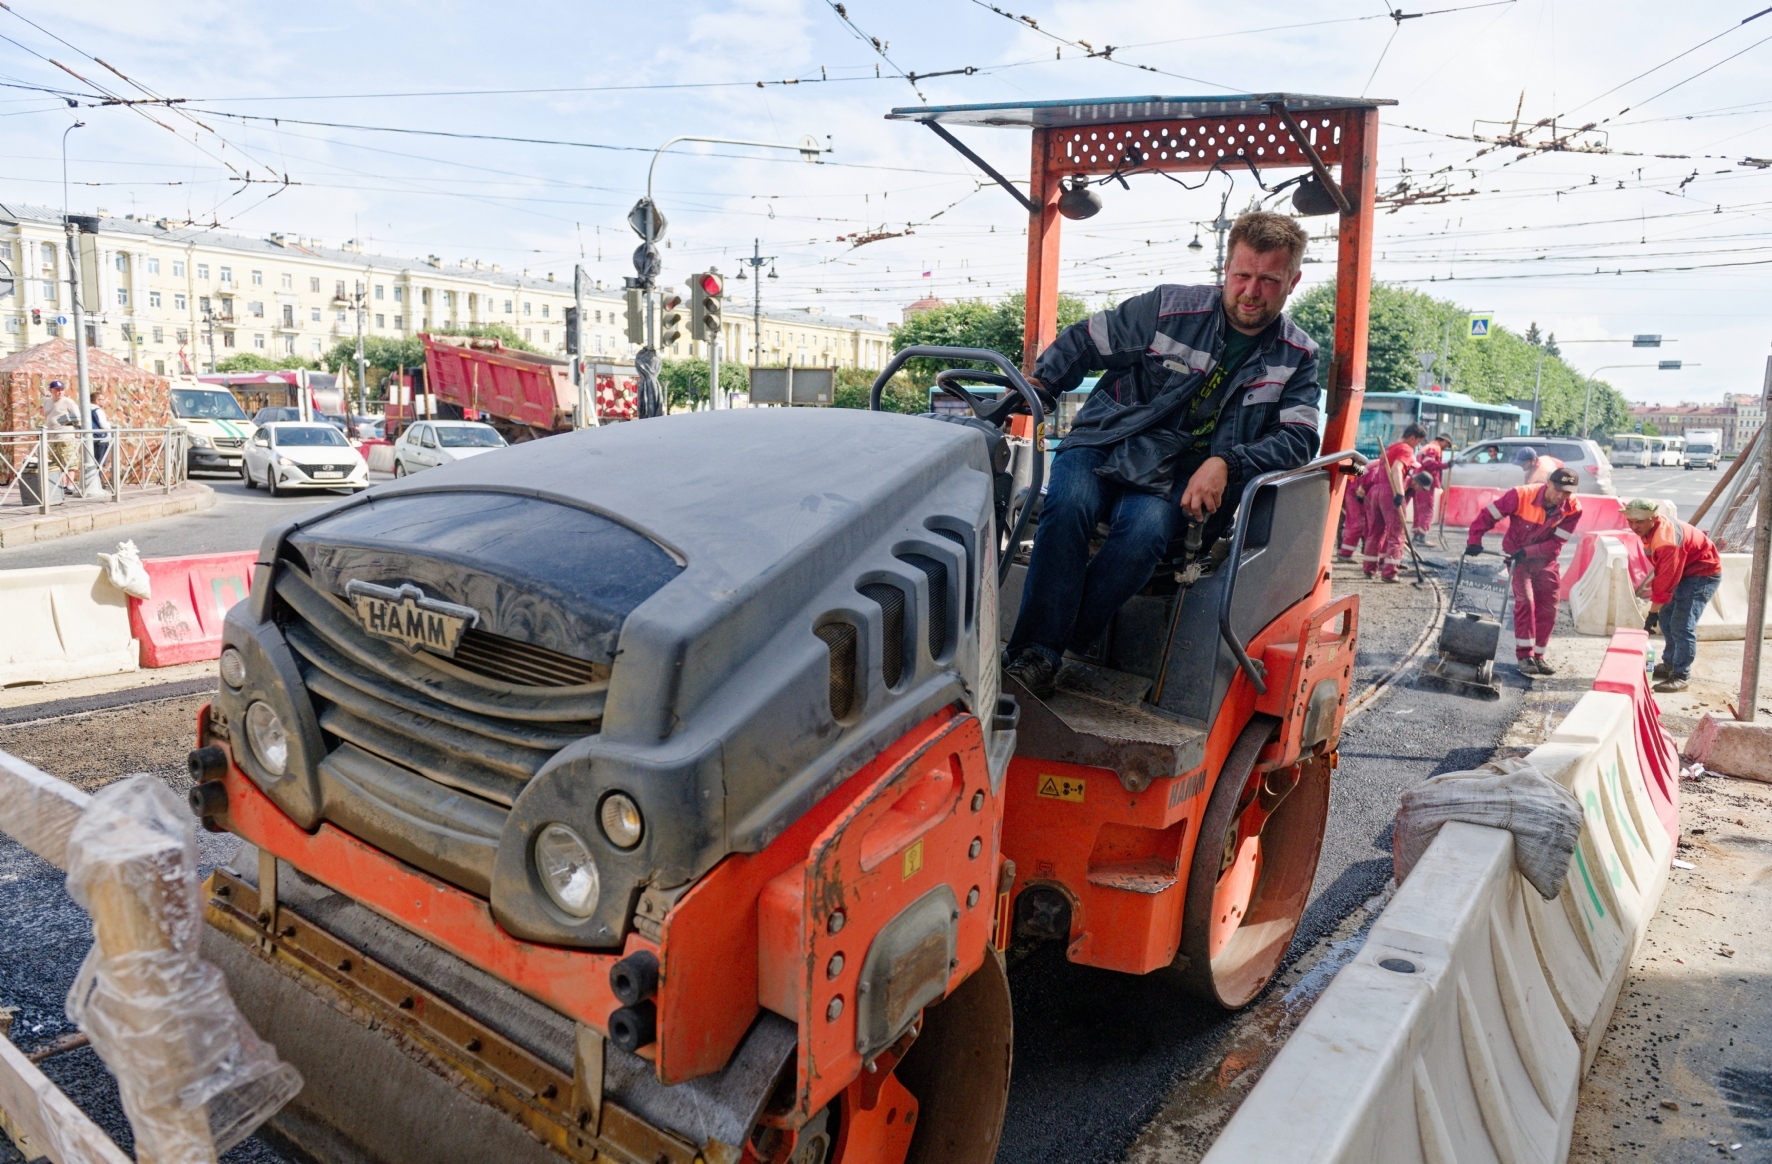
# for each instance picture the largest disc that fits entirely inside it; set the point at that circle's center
(756, 262)
(1587, 404)
(89, 482)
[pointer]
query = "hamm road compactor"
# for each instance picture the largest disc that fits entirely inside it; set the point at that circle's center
(1166, 805)
(631, 795)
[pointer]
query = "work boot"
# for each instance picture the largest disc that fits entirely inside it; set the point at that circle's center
(1541, 667)
(1034, 671)
(1671, 683)
(1526, 668)
(1661, 671)
(1392, 578)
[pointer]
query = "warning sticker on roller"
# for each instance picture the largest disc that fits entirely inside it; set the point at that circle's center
(913, 861)
(1058, 788)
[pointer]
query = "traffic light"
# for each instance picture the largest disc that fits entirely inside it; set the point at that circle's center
(636, 320)
(670, 320)
(572, 330)
(36, 317)
(705, 291)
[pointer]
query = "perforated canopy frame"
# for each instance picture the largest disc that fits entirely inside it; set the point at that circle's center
(1131, 135)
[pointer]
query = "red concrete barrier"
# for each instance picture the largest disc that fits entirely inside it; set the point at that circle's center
(1598, 511)
(182, 621)
(1584, 556)
(1463, 502)
(1623, 672)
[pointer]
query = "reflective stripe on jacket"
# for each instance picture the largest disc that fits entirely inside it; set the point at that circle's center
(1540, 533)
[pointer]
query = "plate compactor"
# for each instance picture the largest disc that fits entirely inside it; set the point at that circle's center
(1469, 638)
(632, 795)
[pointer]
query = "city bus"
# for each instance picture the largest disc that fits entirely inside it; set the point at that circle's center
(1672, 451)
(1630, 450)
(1384, 416)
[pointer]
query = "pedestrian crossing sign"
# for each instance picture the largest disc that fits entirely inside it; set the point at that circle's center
(1481, 325)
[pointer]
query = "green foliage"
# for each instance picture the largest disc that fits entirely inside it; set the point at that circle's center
(382, 356)
(247, 362)
(502, 332)
(685, 382)
(974, 323)
(1498, 370)
(855, 386)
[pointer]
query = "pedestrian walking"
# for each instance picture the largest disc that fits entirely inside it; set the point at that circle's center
(1685, 571)
(1385, 497)
(1541, 520)
(1433, 457)
(61, 416)
(100, 424)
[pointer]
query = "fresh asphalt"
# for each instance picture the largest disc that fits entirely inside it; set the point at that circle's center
(1097, 1054)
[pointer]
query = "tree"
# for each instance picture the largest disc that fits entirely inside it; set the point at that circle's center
(974, 323)
(855, 388)
(685, 382)
(1533, 335)
(381, 354)
(1497, 370)
(248, 362)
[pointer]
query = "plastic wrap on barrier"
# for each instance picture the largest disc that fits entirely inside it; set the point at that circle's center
(195, 1079)
(1544, 817)
(124, 569)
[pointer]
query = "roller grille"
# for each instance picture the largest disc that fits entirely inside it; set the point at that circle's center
(891, 601)
(840, 639)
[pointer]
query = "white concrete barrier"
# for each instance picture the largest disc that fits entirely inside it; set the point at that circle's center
(1726, 616)
(1602, 600)
(381, 458)
(1462, 1029)
(62, 622)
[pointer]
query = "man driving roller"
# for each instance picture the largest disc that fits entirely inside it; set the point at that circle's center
(1204, 389)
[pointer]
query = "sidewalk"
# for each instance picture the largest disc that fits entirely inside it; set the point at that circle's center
(22, 525)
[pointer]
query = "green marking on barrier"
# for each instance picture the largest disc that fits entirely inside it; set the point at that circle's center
(235, 592)
(1586, 879)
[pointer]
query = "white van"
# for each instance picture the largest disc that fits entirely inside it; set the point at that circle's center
(216, 428)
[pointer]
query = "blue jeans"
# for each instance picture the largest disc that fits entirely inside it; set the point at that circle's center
(1679, 622)
(1068, 597)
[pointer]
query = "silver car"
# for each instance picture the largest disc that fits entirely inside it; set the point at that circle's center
(429, 443)
(1494, 463)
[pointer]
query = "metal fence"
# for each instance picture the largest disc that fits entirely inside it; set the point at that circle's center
(44, 467)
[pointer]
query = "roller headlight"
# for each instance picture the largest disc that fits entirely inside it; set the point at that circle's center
(567, 870)
(620, 818)
(233, 668)
(270, 743)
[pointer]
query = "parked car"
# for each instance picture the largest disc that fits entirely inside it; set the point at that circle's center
(275, 414)
(1492, 463)
(430, 443)
(214, 425)
(288, 455)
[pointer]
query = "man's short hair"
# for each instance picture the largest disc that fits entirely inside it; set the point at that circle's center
(1415, 430)
(1263, 232)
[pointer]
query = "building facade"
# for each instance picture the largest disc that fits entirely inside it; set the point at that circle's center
(1750, 414)
(1679, 419)
(173, 299)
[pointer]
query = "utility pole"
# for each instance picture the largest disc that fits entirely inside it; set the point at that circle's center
(209, 334)
(1221, 226)
(587, 411)
(756, 262)
(88, 470)
(361, 298)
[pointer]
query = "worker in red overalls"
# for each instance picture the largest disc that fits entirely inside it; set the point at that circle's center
(1541, 520)
(1432, 464)
(1353, 511)
(1386, 495)
(1687, 573)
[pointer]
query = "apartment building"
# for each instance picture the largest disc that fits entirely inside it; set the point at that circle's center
(171, 299)
(1678, 420)
(1750, 414)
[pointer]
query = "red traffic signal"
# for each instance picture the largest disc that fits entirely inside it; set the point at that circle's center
(710, 283)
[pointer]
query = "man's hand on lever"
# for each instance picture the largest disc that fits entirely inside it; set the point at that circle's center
(1205, 489)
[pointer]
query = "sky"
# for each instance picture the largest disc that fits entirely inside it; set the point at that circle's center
(391, 123)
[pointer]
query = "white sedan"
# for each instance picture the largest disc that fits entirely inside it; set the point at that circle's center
(430, 443)
(292, 455)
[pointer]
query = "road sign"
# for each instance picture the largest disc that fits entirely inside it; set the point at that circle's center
(1426, 359)
(809, 148)
(1645, 341)
(61, 320)
(1670, 365)
(647, 262)
(1480, 325)
(647, 220)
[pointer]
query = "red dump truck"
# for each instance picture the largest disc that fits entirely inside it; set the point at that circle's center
(523, 394)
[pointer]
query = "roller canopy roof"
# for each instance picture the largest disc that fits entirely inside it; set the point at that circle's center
(1112, 110)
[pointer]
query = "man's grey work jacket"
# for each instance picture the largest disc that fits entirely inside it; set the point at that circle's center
(1155, 350)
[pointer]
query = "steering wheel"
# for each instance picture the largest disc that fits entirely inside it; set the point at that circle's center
(1020, 397)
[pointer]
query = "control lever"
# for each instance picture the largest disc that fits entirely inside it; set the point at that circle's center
(1196, 535)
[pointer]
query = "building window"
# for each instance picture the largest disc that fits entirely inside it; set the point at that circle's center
(449, 299)
(203, 304)
(258, 278)
(159, 367)
(11, 320)
(49, 291)
(317, 346)
(399, 322)
(122, 297)
(203, 270)
(378, 290)
(5, 250)
(227, 275)
(527, 306)
(183, 336)
(227, 339)
(258, 340)
(256, 310)
(289, 345)
(288, 281)
(424, 296)
(399, 295)
(122, 261)
(159, 336)
(341, 317)
(179, 302)
(507, 307)
(544, 336)
(314, 314)
(178, 268)
(153, 299)
(381, 321)
(338, 289)
(313, 282)
(527, 334)
(289, 315)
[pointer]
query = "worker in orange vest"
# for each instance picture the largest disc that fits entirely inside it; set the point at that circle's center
(1686, 573)
(1541, 520)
